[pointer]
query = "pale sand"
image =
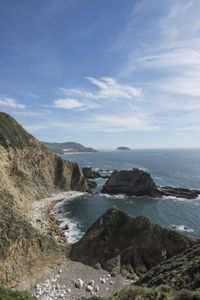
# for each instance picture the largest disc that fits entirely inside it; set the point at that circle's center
(37, 215)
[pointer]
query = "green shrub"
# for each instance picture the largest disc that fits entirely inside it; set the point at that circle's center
(7, 294)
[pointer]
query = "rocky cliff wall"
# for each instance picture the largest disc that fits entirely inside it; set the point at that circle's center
(28, 172)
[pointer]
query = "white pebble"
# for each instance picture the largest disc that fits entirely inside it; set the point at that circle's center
(108, 275)
(37, 286)
(79, 283)
(102, 280)
(96, 288)
(111, 283)
(69, 290)
(91, 282)
(89, 288)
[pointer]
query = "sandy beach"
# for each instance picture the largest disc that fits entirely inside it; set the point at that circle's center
(40, 214)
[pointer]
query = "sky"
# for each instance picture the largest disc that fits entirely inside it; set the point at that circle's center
(105, 73)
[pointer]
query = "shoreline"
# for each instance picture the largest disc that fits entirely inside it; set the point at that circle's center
(59, 280)
(41, 215)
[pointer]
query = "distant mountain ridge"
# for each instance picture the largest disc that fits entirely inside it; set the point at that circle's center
(68, 147)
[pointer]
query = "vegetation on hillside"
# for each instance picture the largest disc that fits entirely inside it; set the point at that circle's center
(12, 134)
(7, 294)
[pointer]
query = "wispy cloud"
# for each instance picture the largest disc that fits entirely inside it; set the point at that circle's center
(103, 88)
(123, 123)
(69, 103)
(170, 56)
(9, 102)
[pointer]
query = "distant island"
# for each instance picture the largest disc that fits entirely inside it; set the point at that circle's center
(123, 148)
(68, 147)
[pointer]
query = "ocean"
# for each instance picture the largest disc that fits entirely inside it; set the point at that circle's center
(178, 168)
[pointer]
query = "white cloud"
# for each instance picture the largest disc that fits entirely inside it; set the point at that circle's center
(108, 88)
(122, 122)
(9, 102)
(69, 103)
(171, 50)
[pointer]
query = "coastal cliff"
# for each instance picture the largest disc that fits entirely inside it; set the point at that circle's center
(28, 172)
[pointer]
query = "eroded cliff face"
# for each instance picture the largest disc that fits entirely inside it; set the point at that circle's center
(28, 172)
(33, 173)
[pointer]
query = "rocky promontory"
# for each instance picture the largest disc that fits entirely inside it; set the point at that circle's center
(137, 182)
(121, 243)
(68, 147)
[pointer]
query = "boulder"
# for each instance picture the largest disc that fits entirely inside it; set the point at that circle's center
(120, 242)
(79, 283)
(90, 173)
(134, 182)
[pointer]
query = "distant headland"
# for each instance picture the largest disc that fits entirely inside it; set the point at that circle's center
(68, 147)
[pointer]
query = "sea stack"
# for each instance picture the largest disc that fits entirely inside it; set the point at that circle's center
(137, 182)
(121, 243)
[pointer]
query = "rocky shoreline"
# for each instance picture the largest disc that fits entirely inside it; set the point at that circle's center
(137, 182)
(67, 279)
(41, 215)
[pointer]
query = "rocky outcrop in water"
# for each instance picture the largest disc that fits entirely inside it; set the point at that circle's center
(121, 243)
(134, 182)
(123, 148)
(28, 171)
(140, 183)
(90, 173)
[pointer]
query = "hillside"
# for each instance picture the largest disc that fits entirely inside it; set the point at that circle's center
(68, 147)
(177, 278)
(181, 271)
(28, 171)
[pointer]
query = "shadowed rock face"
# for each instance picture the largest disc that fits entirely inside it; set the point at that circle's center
(135, 182)
(90, 173)
(119, 242)
(140, 183)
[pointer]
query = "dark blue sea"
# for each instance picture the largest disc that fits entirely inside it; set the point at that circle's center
(178, 168)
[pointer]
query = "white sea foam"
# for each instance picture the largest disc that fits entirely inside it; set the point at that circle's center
(172, 198)
(181, 228)
(75, 232)
(119, 196)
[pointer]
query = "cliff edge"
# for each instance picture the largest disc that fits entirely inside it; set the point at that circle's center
(28, 172)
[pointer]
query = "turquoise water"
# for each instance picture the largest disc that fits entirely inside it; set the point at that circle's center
(168, 167)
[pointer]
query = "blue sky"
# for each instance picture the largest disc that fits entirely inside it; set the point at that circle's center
(103, 72)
